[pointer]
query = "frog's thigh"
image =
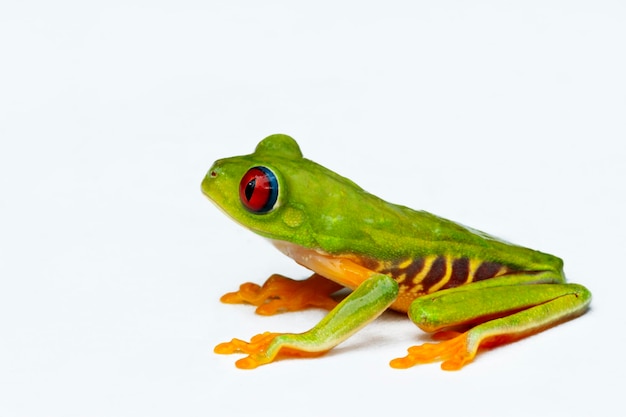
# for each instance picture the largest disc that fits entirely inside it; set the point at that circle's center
(501, 314)
(467, 305)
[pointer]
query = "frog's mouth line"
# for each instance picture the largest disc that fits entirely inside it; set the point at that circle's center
(240, 223)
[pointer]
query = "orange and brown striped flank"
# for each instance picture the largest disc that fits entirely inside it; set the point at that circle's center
(417, 277)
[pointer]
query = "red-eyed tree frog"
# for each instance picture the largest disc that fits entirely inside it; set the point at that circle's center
(470, 288)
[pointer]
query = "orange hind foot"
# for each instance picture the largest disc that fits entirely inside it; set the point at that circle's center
(454, 352)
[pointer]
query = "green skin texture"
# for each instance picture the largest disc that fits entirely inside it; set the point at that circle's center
(319, 209)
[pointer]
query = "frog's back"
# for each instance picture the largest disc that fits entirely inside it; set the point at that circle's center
(343, 219)
(427, 253)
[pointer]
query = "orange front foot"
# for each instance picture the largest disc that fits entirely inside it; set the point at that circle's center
(454, 353)
(280, 294)
(262, 348)
(255, 349)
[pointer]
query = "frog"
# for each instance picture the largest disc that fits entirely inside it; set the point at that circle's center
(467, 289)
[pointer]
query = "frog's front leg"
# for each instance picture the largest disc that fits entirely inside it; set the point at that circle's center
(279, 294)
(502, 310)
(364, 304)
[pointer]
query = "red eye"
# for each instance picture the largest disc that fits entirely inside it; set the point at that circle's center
(258, 190)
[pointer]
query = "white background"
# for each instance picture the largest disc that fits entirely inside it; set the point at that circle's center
(504, 116)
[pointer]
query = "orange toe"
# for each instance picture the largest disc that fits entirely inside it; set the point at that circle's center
(453, 353)
(280, 294)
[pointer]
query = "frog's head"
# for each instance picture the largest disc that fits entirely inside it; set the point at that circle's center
(280, 195)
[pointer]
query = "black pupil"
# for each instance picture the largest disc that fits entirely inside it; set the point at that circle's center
(250, 189)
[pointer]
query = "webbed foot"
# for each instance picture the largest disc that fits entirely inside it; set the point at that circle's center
(262, 348)
(280, 294)
(454, 352)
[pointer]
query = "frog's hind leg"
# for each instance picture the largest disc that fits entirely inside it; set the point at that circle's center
(280, 294)
(503, 313)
